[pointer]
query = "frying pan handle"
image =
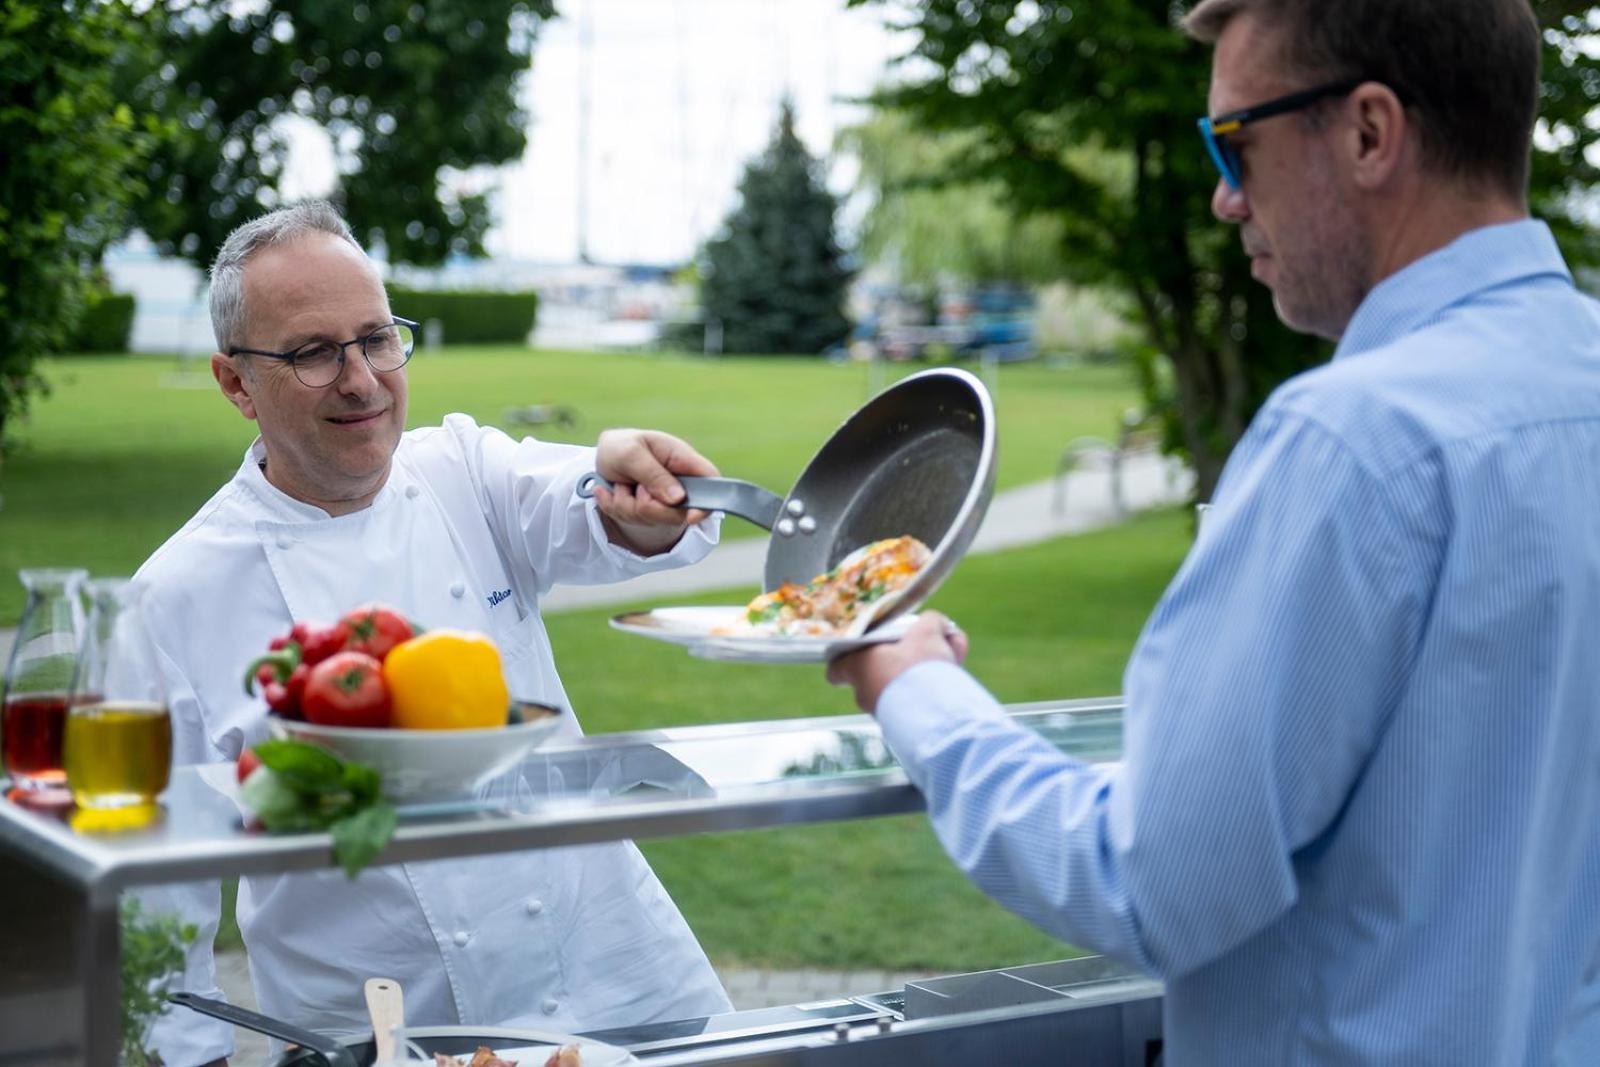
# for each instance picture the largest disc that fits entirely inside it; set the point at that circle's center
(334, 1053)
(744, 499)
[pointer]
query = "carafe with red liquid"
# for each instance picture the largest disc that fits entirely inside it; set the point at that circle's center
(38, 679)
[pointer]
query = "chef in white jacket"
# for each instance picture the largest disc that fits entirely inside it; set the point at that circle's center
(456, 525)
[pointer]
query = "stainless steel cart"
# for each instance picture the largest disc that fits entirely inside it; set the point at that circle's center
(59, 978)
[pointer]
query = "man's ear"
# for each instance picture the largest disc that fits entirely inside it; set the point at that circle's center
(236, 385)
(1379, 134)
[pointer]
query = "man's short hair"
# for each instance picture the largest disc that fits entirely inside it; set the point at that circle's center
(1466, 70)
(228, 314)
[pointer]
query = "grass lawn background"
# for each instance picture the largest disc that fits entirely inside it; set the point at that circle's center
(118, 456)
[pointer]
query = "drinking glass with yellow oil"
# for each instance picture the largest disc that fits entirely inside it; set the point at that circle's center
(118, 749)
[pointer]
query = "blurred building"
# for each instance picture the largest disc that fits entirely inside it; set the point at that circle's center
(580, 305)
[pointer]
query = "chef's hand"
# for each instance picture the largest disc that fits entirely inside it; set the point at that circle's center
(642, 466)
(869, 671)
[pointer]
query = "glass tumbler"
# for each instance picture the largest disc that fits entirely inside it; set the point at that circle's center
(119, 735)
(33, 711)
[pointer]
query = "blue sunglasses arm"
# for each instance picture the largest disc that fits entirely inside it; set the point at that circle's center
(1218, 157)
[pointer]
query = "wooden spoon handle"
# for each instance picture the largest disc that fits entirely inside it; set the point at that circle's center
(386, 1006)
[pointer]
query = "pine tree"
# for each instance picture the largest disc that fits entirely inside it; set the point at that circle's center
(774, 277)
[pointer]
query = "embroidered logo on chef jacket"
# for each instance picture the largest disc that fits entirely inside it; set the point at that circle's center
(498, 595)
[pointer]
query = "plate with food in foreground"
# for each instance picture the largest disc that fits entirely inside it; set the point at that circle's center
(830, 615)
(577, 1053)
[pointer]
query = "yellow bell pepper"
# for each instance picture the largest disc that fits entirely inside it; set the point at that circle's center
(446, 680)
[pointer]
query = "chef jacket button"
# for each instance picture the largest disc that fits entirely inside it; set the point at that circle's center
(535, 905)
(412, 492)
(461, 938)
(285, 541)
(550, 1005)
(458, 589)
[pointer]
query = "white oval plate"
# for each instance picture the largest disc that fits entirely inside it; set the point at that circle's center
(532, 1048)
(522, 1046)
(693, 628)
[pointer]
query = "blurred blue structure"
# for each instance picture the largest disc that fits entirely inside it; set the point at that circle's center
(993, 323)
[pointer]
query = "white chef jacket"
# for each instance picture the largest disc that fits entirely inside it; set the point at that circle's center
(469, 530)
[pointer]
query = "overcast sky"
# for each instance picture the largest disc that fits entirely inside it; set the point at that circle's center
(681, 94)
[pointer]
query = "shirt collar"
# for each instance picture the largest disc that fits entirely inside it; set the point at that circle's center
(284, 508)
(1478, 260)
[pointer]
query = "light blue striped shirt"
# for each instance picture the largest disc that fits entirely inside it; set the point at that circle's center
(1357, 819)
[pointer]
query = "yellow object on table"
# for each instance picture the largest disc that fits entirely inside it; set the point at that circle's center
(446, 680)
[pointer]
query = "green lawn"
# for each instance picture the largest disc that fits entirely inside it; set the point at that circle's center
(124, 450)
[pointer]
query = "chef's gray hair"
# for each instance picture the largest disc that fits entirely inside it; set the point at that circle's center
(228, 315)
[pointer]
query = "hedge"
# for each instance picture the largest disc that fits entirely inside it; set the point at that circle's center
(470, 317)
(106, 324)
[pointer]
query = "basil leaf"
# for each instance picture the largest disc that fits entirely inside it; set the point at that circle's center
(302, 765)
(304, 787)
(358, 838)
(362, 782)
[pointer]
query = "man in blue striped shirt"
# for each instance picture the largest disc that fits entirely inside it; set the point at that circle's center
(1358, 816)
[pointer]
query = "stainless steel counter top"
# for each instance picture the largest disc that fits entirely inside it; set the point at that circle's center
(657, 783)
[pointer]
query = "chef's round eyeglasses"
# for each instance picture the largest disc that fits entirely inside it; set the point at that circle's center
(1214, 131)
(319, 363)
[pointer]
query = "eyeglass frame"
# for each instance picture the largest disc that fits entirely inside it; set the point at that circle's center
(292, 356)
(1214, 130)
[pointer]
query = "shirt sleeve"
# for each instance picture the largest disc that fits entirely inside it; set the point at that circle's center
(530, 489)
(1254, 696)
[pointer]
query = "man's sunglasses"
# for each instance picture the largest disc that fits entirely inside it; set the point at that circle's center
(1214, 131)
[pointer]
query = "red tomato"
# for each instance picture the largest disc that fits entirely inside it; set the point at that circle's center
(296, 685)
(375, 629)
(323, 641)
(346, 689)
(248, 761)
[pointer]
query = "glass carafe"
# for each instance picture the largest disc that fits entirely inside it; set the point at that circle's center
(119, 737)
(33, 714)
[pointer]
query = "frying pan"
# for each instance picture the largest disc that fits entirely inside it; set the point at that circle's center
(359, 1050)
(918, 459)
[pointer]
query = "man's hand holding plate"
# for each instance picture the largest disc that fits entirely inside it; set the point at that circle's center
(933, 637)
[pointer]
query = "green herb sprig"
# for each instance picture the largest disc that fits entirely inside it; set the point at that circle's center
(153, 950)
(301, 787)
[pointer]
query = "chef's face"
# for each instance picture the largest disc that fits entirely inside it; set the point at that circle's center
(329, 446)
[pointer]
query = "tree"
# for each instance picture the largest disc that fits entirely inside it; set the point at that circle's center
(411, 95)
(72, 152)
(775, 277)
(928, 231)
(1084, 113)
